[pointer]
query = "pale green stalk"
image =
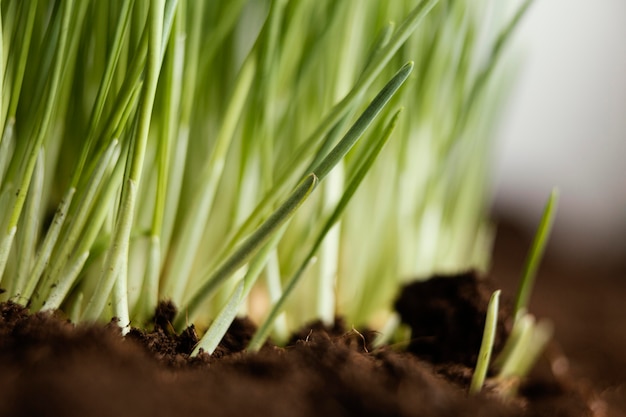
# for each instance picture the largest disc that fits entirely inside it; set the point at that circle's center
(7, 147)
(20, 65)
(222, 322)
(47, 246)
(117, 257)
(247, 248)
(529, 339)
(263, 331)
(190, 83)
(3, 61)
(70, 273)
(172, 82)
(486, 345)
(26, 239)
(274, 287)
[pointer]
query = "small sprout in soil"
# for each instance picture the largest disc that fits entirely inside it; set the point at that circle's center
(528, 338)
(486, 345)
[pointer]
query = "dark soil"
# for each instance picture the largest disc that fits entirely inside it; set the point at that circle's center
(51, 367)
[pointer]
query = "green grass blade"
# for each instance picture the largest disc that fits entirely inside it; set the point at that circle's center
(16, 85)
(60, 291)
(2, 72)
(224, 319)
(6, 241)
(270, 198)
(29, 228)
(47, 246)
(222, 322)
(247, 248)
(171, 82)
(486, 346)
(536, 253)
(542, 332)
(7, 147)
(363, 122)
(263, 332)
(530, 339)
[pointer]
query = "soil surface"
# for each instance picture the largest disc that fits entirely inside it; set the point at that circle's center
(51, 367)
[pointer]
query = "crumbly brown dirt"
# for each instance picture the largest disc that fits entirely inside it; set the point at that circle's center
(51, 367)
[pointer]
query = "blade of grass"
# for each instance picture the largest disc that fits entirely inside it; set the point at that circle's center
(47, 246)
(29, 228)
(531, 337)
(263, 332)
(191, 15)
(542, 332)
(363, 122)
(2, 72)
(224, 319)
(171, 80)
(486, 345)
(536, 253)
(222, 322)
(247, 248)
(7, 147)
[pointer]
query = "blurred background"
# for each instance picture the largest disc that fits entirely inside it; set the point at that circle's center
(565, 126)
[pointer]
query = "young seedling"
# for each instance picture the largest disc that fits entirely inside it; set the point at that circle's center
(486, 345)
(528, 338)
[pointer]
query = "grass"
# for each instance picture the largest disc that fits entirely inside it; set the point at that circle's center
(527, 338)
(244, 157)
(486, 345)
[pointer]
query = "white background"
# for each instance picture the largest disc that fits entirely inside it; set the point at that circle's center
(565, 126)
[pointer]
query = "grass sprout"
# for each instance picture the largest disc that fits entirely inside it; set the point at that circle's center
(536, 254)
(528, 337)
(486, 345)
(245, 157)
